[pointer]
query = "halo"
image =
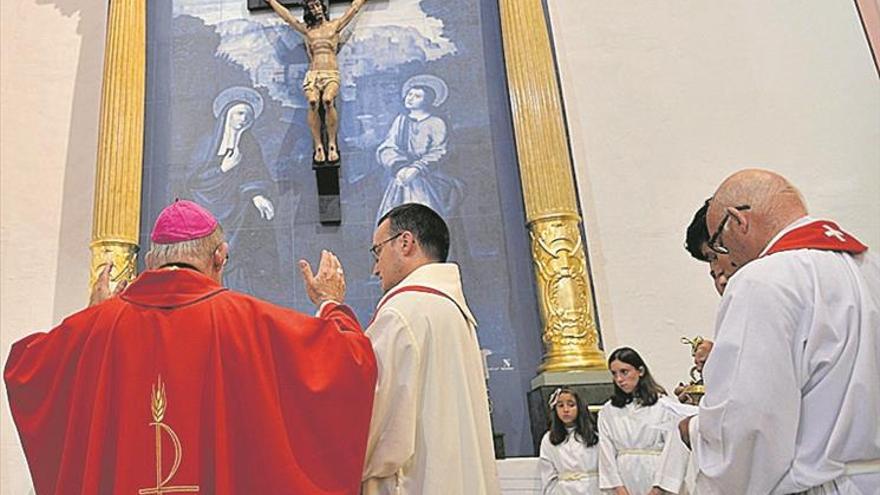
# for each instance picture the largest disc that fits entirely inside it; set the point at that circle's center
(433, 82)
(238, 93)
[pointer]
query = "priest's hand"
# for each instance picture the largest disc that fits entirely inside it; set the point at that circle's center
(101, 290)
(326, 285)
(679, 390)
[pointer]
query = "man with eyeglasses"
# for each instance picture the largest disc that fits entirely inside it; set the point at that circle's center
(793, 382)
(677, 460)
(720, 269)
(179, 385)
(430, 433)
(697, 244)
(676, 455)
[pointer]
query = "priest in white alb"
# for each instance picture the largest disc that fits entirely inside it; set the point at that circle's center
(430, 432)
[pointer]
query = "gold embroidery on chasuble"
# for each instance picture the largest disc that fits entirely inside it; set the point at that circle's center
(158, 404)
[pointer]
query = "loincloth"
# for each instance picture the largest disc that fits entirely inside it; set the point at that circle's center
(318, 80)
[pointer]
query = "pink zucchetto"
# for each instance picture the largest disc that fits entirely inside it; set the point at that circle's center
(182, 221)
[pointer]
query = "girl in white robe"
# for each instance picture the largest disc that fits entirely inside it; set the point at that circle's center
(633, 428)
(569, 455)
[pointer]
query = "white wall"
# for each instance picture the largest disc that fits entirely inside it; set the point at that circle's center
(50, 83)
(665, 99)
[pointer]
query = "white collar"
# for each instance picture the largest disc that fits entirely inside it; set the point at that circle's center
(444, 277)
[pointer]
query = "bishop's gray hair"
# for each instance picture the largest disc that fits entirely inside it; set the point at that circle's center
(194, 251)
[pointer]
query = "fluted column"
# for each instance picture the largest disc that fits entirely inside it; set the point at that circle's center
(569, 331)
(116, 216)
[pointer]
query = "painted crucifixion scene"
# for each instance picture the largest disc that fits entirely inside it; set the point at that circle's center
(404, 100)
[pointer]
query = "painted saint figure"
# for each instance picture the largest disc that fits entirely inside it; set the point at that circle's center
(321, 84)
(414, 151)
(229, 177)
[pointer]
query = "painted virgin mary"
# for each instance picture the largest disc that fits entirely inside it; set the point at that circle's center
(229, 178)
(414, 151)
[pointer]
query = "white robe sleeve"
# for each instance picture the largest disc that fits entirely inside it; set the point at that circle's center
(673, 462)
(609, 474)
(672, 465)
(748, 418)
(549, 471)
(392, 437)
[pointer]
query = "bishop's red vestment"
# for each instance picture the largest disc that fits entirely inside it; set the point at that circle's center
(180, 385)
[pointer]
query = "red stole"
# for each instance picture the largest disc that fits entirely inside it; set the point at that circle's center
(413, 288)
(820, 234)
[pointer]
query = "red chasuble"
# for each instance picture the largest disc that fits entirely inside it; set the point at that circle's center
(182, 386)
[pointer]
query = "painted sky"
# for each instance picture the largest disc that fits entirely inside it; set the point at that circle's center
(401, 31)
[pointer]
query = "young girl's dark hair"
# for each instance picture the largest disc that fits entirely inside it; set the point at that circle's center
(584, 429)
(647, 391)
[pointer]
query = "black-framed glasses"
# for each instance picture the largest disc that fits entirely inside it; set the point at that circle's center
(715, 243)
(376, 249)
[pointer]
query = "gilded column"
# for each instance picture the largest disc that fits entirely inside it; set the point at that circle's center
(569, 332)
(116, 216)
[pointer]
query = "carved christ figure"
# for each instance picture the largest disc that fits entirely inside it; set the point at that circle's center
(321, 84)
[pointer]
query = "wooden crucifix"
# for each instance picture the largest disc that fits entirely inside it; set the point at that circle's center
(320, 86)
(257, 5)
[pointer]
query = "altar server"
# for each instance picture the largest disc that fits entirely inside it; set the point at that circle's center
(569, 451)
(633, 428)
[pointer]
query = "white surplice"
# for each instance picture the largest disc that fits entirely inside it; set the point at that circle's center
(678, 466)
(430, 432)
(570, 468)
(793, 382)
(631, 439)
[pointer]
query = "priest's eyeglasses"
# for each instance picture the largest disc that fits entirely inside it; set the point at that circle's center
(376, 249)
(715, 242)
